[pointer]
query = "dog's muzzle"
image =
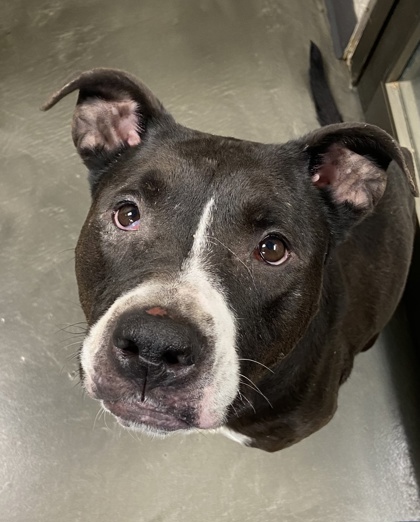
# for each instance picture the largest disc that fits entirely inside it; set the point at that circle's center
(153, 370)
(163, 356)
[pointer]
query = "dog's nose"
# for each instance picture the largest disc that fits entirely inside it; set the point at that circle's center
(168, 348)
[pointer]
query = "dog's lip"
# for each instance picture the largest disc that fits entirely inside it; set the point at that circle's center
(138, 413)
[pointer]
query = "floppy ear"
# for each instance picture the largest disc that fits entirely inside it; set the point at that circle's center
(113, 113)
(348, 163)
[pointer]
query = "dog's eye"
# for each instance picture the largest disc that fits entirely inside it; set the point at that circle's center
(272, 250)
(127, 217)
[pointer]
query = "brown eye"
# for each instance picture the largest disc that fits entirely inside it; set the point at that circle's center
(127, 217)
(272, 250)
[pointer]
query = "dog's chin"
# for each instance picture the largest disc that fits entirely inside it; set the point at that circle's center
(140, 416)
(137, 414)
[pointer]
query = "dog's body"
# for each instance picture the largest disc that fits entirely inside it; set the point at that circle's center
(229, 283)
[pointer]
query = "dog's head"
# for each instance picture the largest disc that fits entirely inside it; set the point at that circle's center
(201, 262)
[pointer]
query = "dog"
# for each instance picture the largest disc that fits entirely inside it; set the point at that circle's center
(227, 284)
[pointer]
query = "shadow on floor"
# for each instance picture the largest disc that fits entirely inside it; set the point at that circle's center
(403, 354)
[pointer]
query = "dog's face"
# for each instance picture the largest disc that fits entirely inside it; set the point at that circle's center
(191, 265)
(201, 262)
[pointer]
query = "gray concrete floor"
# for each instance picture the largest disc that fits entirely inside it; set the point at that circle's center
(231, 67)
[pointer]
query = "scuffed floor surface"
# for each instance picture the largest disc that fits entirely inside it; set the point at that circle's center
(231, 67)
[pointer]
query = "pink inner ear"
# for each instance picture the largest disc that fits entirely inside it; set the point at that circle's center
(351, 177)
(126, 122)
(325, 175)
(106, 124)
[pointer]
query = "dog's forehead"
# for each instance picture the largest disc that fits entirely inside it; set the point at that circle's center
(197, 166)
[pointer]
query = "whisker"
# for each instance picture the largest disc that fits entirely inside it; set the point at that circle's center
(133, 434)
(65, 250)
(78, 382)
(257, 362)
(242, 397)
(255, 388)
(97, 417)
(77, 323)
(81, 329)
(74, 336)
(73, 356)
(252, 388)
(234, 409)
(105, 422)
(72, 344)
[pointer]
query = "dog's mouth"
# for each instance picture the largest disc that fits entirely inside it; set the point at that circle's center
(137, 414)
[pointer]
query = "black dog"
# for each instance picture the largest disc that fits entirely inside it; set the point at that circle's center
(229, 284)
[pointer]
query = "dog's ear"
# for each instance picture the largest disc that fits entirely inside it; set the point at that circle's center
(348, 163)
(114, 112)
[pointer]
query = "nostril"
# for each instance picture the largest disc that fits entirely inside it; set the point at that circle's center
(127, 346)
(170, 357)
(173, 358)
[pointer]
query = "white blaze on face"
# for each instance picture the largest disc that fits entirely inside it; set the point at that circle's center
(224, 384)
(194, 289)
